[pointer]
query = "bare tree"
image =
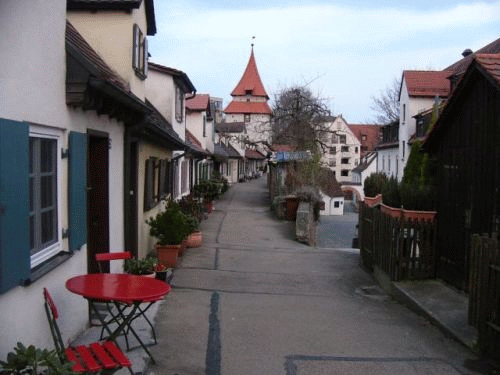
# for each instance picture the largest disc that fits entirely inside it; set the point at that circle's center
(300, 119)
(386, 105)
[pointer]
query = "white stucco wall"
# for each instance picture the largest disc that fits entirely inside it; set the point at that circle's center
(353, 154)
(388, 161)
(32, 79)
(409, 107)
(111, 35)
(330, 203)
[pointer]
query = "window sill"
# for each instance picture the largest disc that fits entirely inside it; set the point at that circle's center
(46, 267)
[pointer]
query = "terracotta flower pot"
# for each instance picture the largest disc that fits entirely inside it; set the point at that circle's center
(167, 254)
(195, 239)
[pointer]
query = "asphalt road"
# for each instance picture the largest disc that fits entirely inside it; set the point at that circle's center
(253, 301)
(337, 232)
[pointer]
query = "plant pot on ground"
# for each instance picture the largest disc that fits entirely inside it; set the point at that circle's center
(170, 227)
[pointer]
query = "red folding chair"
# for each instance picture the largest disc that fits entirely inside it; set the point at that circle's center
(99, 357)
(101, 259)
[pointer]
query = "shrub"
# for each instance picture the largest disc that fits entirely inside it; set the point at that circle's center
(390, 193)
(170, 226)
(373, 184)
(416, 197)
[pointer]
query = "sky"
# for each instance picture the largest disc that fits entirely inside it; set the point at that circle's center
(346, 51)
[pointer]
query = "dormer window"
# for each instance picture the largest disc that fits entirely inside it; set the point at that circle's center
(140, 53)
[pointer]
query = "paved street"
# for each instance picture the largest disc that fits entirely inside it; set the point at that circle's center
(253, 301)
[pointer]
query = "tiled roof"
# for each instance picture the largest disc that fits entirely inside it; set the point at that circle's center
(372, 133)
(427, 83)
(230, 127)
(281, 148)
(491, 64)
(253, 154)
(126, 5)
(200, 102)
(461, 65)
(101, 69)
(248, 107)
(328, 183)
(250, 82)
(194, 143)
(233, 153)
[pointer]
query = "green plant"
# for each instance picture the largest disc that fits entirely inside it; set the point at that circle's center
(373, 184)
(191, 206)
(138, 266)
(34, 361)
(207, 189)
(170, 226)
(390, 193)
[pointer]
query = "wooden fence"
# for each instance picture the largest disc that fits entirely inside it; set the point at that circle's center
(484, 293)
(403, 249)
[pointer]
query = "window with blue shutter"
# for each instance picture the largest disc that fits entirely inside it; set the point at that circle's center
(14, 204)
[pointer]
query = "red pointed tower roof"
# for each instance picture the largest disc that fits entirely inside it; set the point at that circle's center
(250, 83)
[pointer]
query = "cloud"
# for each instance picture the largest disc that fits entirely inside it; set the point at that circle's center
(351, 49)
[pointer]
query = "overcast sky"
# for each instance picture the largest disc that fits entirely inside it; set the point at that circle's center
(348, 51)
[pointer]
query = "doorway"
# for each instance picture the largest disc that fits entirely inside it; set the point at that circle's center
(97, 198)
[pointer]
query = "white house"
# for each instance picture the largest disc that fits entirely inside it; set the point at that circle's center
(343, 149)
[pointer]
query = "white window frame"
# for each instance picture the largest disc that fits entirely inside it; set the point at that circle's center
(53, 249)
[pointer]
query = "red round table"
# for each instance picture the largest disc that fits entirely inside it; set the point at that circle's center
(120, 289)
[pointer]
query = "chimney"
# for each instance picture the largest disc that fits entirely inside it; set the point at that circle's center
(467, 52)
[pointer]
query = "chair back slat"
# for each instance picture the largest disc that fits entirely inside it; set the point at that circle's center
(106, 257)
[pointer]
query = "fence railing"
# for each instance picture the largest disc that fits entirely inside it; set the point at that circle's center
(484, 293)
(403, 249)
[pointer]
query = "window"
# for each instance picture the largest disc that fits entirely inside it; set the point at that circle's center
(342, 138)
(404, 113)
(179, 103)
(184, 176)
(44, 197)
(247, 117)
(336, 204)
(356, 150)
(344, 161)
(140, 53)
(363, 137)
(344, 149)
(333, 150)
(333, 163)
(204, 126)
(158, 181)
(344, 172)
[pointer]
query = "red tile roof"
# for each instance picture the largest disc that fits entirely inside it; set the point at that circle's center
(281, 148)
(461, 65)
(253, 154)
(248, 107)
(491, 64)
(250, 82)
(426, 83)
(372, 134)
(199, 103)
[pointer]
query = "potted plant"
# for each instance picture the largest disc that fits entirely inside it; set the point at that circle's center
(34, 361)
(161, 271)
(170, 227)
(143, 267)
(209, 190)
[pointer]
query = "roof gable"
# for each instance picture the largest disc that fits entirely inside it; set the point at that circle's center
(461, 65)
(198, 103)
(250, 82)
(486, 64)
(368, 135)
(427, 83)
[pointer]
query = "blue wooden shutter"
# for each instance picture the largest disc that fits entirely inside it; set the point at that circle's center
(77, 190)
(14, 204)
